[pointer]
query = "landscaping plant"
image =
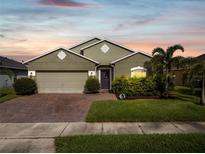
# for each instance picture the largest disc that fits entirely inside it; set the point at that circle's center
(25, 86)
(130, 86)
(92, 85)
(166, 61)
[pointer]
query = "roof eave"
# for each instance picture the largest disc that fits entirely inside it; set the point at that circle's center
(53, 50)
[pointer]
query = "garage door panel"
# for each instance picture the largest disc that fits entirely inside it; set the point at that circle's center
(61, 82)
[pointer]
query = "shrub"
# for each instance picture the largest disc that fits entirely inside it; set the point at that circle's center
(135, 86)
(92, 85)
(25, 86)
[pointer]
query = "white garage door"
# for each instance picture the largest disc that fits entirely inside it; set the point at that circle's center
(61, 82)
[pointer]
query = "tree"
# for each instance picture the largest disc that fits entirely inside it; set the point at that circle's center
(177, 61)
(198, 73)
(167, 60)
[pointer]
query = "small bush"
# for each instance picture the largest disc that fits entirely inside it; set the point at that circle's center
(92, 85)
(135, 86)
(25, 86)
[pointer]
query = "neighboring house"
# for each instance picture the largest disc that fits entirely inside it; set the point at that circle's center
(66, 70)
(201, 58)
(178, 72)
(17, 70)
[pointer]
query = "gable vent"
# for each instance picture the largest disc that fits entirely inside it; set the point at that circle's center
(105, 48)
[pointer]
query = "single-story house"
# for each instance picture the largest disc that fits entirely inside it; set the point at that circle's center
(66, 70)
(11, 70)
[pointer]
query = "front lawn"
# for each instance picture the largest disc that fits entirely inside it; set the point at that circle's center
(6, 94)
(185, 94)
(184, 143)
(145, 110)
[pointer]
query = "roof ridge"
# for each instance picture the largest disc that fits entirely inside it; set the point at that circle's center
(84, 42)
(106, 41)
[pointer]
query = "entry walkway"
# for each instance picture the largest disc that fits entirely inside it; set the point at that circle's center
(39, 137)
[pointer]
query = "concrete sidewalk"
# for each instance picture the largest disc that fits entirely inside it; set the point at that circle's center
(39, 137)
(51, 130)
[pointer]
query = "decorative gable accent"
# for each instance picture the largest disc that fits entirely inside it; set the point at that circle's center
(105, 48)
(61, 55)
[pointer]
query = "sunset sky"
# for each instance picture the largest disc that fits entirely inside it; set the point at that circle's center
(30, 27)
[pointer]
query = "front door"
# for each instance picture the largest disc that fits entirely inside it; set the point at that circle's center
(105, 79)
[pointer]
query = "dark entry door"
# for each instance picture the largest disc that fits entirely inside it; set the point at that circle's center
(105, 79)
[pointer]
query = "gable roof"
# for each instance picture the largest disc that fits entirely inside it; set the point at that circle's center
(139, 52)
(84, 42)
(200, 58)
(10, 63)
(53, 50)
(89, 46)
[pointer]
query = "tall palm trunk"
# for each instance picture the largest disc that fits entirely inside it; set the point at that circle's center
(167, 83)
(202, 100)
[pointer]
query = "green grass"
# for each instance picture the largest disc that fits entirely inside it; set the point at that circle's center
(174, 143)
(183, 108)
(6, 94)
(145, 110)
(185, 94)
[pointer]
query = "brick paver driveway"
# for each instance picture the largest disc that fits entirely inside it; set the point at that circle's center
(49, 107)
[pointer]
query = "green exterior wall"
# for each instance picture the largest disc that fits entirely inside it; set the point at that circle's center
(115, 52)
(124, 66)
(77, 48)
(52, 62)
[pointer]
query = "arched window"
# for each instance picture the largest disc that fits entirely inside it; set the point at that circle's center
(139, 72)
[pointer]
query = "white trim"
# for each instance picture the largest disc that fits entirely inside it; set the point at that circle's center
(91, 45)
(108, 42)
(138, 68)
(138, 52)
(55, 49)
(124, 57)
(84, 42)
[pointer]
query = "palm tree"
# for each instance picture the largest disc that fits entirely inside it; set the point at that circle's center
(177, 61)
(167, 59)
(198, 73)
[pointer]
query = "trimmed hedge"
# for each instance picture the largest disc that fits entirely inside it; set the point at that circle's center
(25, 86)
(135, 86)
(92, 85)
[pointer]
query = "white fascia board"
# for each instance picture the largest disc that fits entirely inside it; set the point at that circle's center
(91, 45)
(50, 51)
(138, 52)
(124, 57)
(87, 40)
(42, 54)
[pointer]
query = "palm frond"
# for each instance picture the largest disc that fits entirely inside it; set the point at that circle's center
(159, 51)
(171, 50)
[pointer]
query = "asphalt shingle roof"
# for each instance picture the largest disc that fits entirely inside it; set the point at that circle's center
(10, 63)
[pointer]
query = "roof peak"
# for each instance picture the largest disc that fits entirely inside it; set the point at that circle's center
(76, 45)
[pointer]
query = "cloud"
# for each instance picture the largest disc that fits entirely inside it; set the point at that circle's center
(64, 3)
(136, 22)
(13, 39)
(2, 36)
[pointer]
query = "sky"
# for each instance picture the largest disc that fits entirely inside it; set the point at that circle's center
(31, 27)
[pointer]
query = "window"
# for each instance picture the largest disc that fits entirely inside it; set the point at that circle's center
(139, 72)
